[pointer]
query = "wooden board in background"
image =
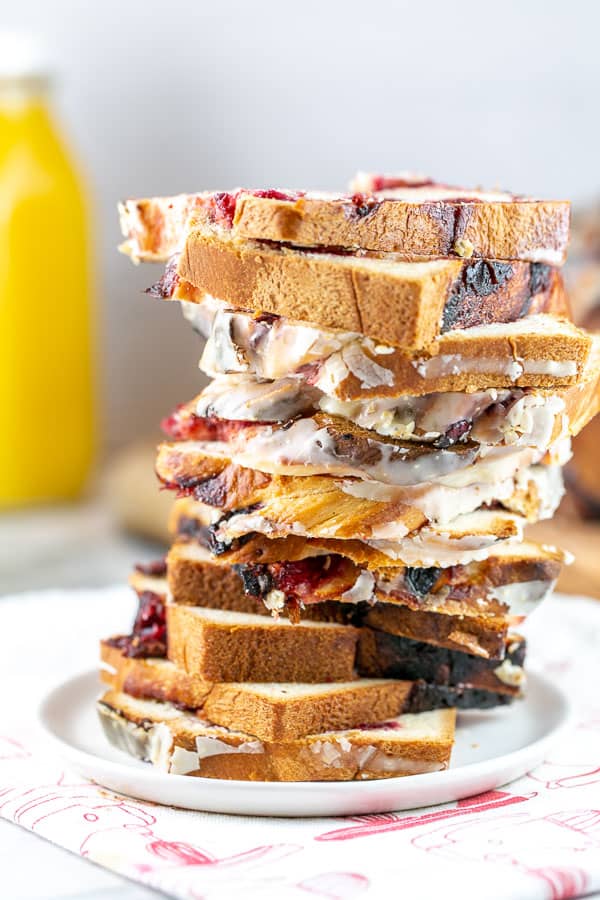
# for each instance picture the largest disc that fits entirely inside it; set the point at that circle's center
(582, 539)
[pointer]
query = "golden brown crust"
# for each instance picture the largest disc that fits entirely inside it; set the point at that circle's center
(478, 635)
(401, 305)
(215, 586)
(280, 719)
(418, 375)
(535, 230)
(523, 229)
(265, 549)
(270, 716)
(303, 759)
(219, 651)
(317, 504)
(156, 679)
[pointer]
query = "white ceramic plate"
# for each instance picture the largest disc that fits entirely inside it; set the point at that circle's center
(492, 748)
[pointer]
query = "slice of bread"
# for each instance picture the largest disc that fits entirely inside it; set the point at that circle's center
(331, 445)
(404, 304)
(151, 677)
(385, 655)
(270, 711)
(201, 525)
(232, 406)
(193, 523)
(220, 645)
(428, 221)
(540, 351)
(322, 506)
(184, 744)
(482, 635)
(473, 536)
(288, 711)
(465, 608)
(236, 411)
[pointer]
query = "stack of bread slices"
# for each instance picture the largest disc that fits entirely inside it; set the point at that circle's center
(395, 384)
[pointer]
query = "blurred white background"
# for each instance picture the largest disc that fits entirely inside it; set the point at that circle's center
(161, 97)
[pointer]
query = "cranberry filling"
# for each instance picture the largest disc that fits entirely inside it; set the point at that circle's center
(420, 581)
(311, 372)
(363, 205)
(223, 204)
(158, 567)
(299, 580)
(389, 182)
(223, 208)
(304, 577)
(149, 633)
(455, 433)
(183, 425)
(165, 287)
(278, 195)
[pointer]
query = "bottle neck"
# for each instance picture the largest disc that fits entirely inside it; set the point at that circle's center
(20, 94)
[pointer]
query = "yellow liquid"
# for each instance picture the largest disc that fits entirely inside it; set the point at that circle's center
(46, 392)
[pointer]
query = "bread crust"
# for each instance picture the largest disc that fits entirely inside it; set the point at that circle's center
(281, 713)
(152, 678)
(248, 707)
(217, 650)
(505, 228)
(473, 625)
(406, 305)
(456, 350)
(522, 229)
(315, 505)
(280, 719)
(304, 759)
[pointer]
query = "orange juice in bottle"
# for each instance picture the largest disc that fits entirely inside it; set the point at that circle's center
(46, 391)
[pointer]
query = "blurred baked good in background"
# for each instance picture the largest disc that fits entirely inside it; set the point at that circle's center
(132, 492)
(583, 275)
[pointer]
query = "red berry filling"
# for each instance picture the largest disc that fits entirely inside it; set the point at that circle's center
(149, 633)
(223, 204)
(184, 425)
(158, 567)
(278, 195)
(389, 182)
(309, 580)
(223, 208)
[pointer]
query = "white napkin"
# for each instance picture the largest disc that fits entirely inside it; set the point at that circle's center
(538, 838)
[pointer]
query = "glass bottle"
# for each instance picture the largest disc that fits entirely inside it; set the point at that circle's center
(46, 380)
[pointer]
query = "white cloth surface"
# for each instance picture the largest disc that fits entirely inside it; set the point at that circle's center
(537, 839)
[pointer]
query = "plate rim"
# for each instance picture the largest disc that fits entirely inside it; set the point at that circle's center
(148, 774)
